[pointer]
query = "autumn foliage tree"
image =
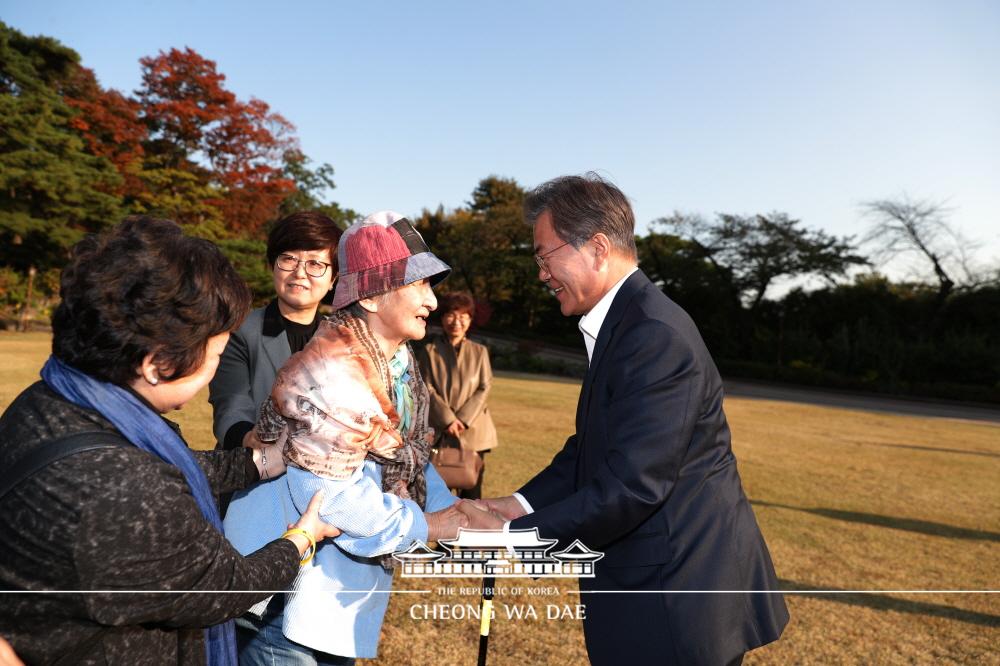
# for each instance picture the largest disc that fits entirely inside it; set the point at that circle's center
(218, 150)
(109, 124)
(75, 157)
(188, 149)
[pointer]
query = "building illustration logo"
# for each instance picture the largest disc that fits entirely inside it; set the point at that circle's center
(517, 553)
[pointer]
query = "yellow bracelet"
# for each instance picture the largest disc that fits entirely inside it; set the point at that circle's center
(312, 543)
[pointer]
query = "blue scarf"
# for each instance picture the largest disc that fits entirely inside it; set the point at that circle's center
(149, 432)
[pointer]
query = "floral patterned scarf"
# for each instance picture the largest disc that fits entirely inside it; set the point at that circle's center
(332, 400)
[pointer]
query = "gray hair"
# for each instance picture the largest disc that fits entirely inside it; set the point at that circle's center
(358, 311)
(582, 206)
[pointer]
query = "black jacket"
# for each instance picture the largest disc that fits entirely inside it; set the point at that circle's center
(114, 519)
(650, 479)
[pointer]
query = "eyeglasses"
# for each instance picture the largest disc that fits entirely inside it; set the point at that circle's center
(540, 258)
(314, 268)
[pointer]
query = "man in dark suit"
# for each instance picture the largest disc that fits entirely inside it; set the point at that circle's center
(649, 478)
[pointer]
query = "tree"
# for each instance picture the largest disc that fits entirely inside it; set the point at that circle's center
(110, 126)
(489, 248)
(752, 252)
(749, 253)
(234, 150)
(679, 268)
(311, 187)
(908, 227)
(498, 244)
(186, 196)
(52, 190)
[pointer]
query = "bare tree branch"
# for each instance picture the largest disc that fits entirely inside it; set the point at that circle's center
(920, 227)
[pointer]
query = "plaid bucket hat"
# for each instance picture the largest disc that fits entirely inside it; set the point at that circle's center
(380, 253)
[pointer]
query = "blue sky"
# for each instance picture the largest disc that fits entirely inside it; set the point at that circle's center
(808, 108)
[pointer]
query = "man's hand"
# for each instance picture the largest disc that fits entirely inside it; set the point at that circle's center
(508, 507)
(456, 428)
(444, 524)
(480, 517)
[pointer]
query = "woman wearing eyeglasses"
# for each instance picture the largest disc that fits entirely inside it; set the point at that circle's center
(302, 256)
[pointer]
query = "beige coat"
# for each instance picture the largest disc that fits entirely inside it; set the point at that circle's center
(459, 386)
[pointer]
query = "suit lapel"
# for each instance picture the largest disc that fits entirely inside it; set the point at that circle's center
(629, 289)
(276, 349)
(273, 339)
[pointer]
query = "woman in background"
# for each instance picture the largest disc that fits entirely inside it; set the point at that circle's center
(302, 258)
(145, 314)
(458, 375)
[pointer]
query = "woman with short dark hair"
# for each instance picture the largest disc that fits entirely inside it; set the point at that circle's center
(101, 495)
(302, 258)
(458, 375)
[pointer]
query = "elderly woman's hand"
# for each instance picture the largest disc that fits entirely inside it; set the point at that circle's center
(266, 455)
(313, 524)
(444, 524)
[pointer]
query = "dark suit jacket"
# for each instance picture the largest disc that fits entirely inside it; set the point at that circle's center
(650, 479)
(249, 364)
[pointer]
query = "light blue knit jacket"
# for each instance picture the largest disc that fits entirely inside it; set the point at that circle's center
(338, 600)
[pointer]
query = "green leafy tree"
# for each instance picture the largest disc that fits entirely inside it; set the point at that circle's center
(52, 190)
(248, 257)
(679, 268)
(751, 253)
(755, 251)
(312, 185)
(489, 247)
(183, 195)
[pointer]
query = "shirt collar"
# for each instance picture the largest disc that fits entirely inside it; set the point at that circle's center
(590, 323)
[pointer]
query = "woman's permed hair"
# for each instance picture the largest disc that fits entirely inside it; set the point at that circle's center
(142, 288)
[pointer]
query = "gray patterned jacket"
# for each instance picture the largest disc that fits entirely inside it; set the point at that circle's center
(117, 519)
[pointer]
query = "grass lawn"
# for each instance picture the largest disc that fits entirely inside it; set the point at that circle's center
(847, 501)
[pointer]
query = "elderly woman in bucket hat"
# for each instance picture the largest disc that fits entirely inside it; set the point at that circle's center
(350, 413)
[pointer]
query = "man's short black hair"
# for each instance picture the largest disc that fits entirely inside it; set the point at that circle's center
(582, 206)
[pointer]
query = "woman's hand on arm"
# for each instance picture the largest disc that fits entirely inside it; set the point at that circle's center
(313, 524)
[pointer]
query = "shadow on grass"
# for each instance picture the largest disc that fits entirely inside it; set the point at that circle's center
(989, 454)
(908, 524)
(889, 603)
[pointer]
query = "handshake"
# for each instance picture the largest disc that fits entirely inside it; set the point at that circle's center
(484, 514)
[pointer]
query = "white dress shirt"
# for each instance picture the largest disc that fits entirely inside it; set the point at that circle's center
(590, 325)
